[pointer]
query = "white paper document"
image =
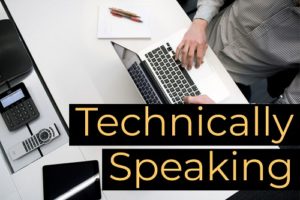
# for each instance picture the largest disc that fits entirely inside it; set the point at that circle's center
(111, 27)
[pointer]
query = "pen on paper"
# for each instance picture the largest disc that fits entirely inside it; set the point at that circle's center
(124, 12)
(125, 16)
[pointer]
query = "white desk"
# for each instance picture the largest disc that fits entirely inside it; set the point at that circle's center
(79, 68)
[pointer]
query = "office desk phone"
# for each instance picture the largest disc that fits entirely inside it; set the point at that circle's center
(17, 107)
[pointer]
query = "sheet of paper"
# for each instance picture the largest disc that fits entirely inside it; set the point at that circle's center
(110, 27)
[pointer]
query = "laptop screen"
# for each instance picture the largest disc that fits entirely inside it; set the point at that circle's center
(142, 80)
(128, 57)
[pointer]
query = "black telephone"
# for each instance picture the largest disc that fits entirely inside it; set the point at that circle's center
(17, 107)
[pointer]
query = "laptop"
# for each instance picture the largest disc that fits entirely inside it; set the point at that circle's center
(161, 79)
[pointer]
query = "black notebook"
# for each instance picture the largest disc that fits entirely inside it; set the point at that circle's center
(78, 181)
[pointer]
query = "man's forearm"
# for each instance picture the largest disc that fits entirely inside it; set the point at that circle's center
(207, 9)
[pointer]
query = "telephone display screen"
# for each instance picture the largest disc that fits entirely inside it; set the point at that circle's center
(12, 98)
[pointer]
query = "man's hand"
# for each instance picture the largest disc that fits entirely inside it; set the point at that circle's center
(193, 43)
(202, 99)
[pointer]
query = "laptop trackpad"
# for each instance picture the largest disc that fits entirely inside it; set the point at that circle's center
(209, 83)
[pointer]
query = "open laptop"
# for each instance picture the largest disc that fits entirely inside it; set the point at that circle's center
(160, 78)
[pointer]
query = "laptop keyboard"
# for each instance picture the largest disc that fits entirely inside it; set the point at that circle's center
(143, 84)
(174, 78)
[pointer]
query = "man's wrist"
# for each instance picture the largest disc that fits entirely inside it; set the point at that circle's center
(201, 23)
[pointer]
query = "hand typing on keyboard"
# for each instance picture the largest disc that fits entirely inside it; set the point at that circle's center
(193, 45)
(202, 99)
(175, 80)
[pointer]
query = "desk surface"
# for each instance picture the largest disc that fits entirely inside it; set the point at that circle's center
(79, 68)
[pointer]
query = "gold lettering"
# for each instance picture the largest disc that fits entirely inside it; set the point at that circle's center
(261, 168)
(282, 132)
(100, 125)
(244, 124)
(139, 176)
(286, 176)
(86, 118)
(147, 120)
(213, 170)
(210, 128)
(131, 134)
(164, 169)
(112, 160)
(199, 170)
(174, 120)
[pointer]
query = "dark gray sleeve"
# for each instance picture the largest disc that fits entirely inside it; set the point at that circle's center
(291, 94)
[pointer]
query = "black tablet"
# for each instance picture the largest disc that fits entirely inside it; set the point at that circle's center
(78, 181)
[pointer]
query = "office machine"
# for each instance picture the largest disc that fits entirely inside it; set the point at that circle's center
(14, 58)
(17, 107)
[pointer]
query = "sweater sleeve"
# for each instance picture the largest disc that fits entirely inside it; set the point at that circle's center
(207, 9)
